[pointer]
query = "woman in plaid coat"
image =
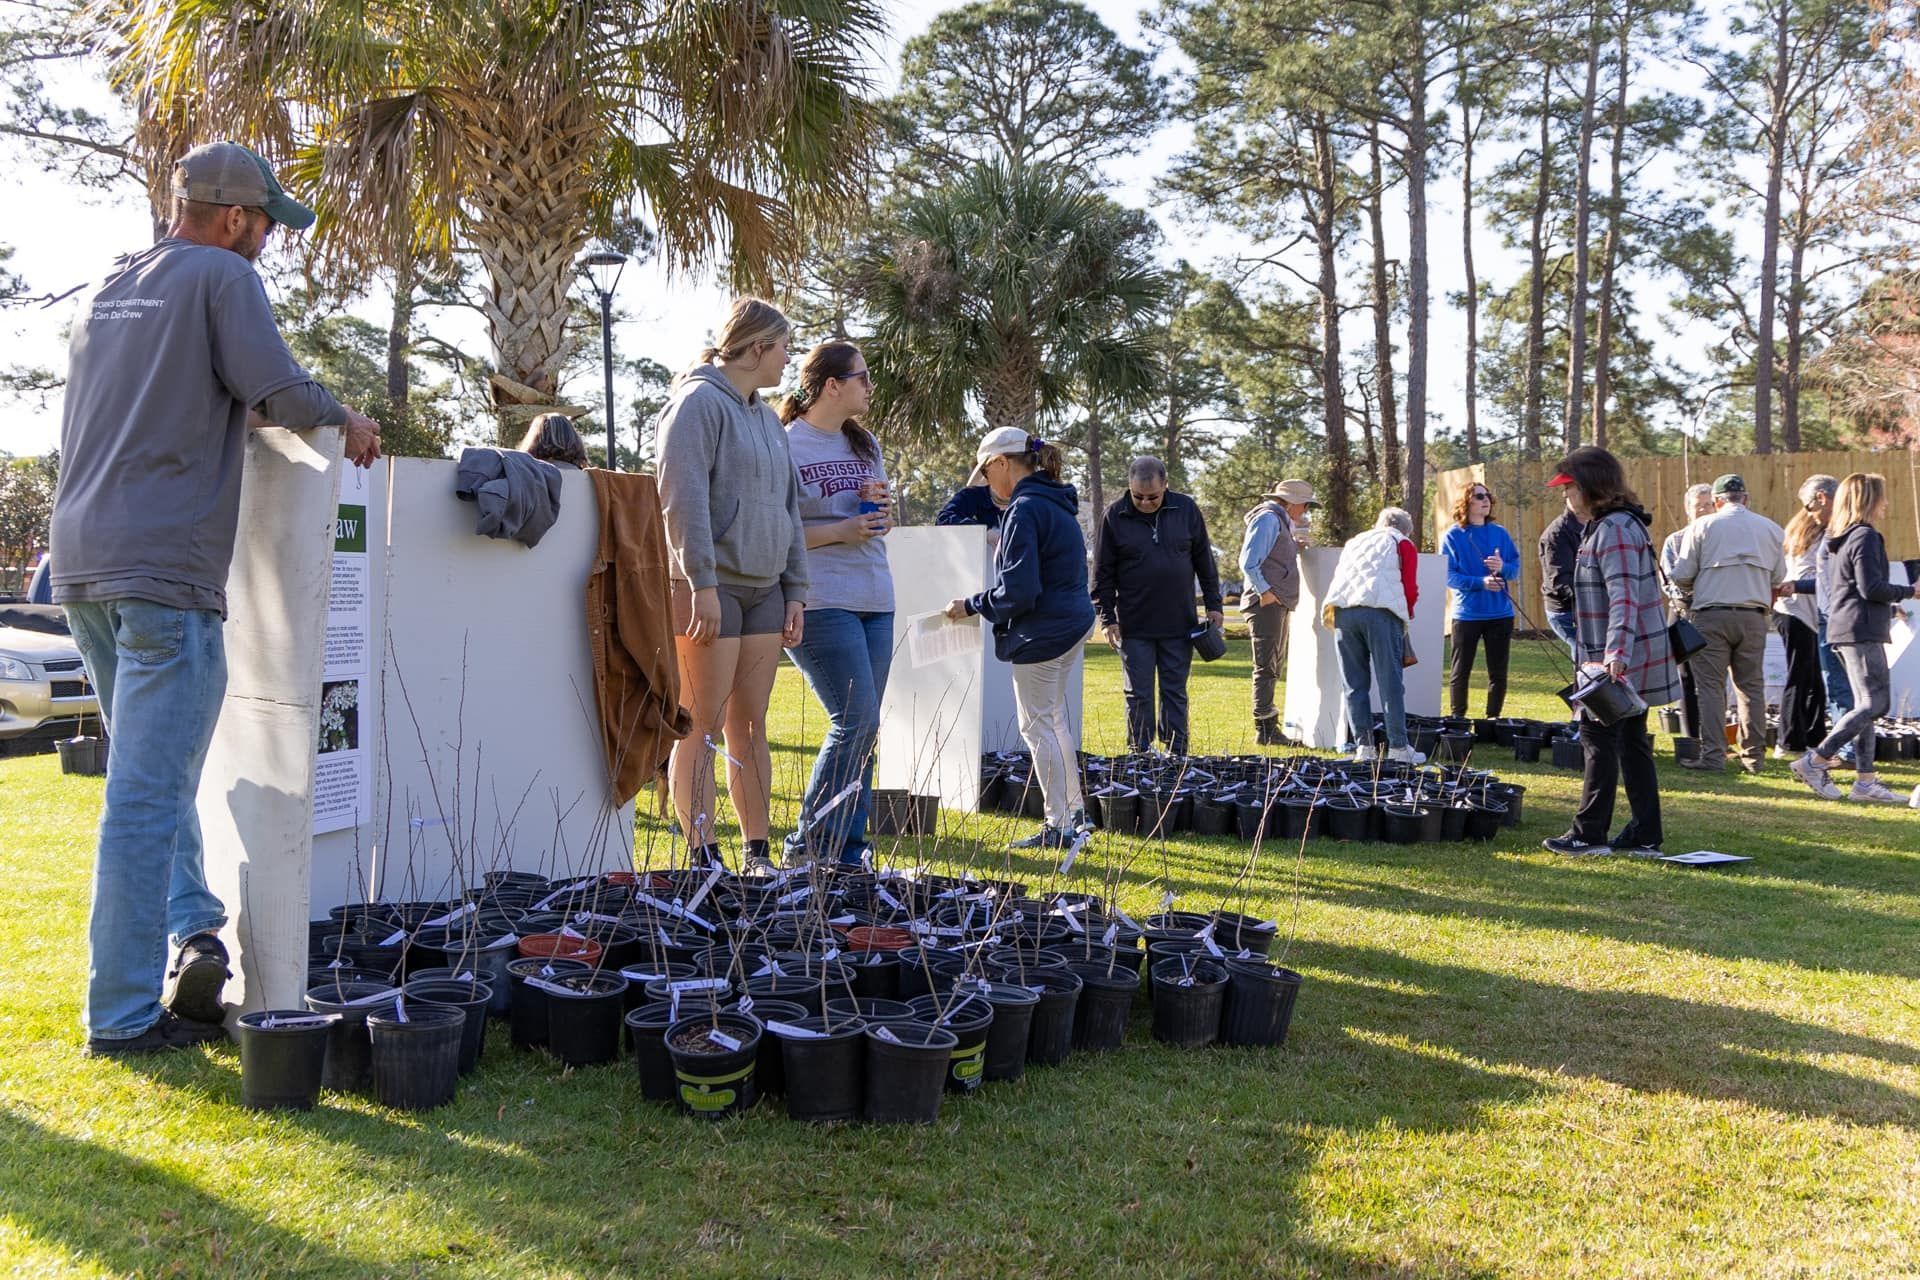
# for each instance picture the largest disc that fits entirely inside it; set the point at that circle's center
(1621, 625)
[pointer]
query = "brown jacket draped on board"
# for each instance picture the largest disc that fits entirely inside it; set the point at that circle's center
(630, 627)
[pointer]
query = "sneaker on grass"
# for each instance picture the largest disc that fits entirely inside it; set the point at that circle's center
(171, 1032)
(1044, 838)
(1575, 847)
(195, 982)
(1810, 771)
(1874, 791)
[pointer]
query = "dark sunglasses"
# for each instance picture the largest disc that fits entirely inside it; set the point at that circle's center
(1481, 495)
(1148, 498)
(865, 375)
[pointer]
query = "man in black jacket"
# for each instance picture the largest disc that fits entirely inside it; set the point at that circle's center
(1152, 545)
(1559, 544)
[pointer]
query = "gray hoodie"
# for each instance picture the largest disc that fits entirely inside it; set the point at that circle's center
(728, 491)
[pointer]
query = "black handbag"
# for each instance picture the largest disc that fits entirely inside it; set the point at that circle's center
(1684, 639)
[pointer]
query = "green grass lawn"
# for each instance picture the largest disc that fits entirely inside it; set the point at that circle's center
(1502, 1063)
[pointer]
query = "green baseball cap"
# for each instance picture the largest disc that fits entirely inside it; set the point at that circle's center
(1729, 483)
(228, 173)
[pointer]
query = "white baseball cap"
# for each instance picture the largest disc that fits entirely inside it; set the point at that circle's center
(998, 443)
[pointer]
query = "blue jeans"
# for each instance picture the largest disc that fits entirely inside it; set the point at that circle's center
(845, 657)
(1370, 643)
(1839, 690)
(160, 673)
(1564, 626)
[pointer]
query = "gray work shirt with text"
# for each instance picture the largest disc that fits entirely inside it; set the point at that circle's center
(165, 359)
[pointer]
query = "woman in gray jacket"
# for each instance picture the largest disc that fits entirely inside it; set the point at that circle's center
(738, 560)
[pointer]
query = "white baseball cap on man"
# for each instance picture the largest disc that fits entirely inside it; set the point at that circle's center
(998, 443)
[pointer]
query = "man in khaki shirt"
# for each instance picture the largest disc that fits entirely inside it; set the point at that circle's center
(1731, 564)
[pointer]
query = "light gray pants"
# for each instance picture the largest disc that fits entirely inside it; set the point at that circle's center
(1040, 698)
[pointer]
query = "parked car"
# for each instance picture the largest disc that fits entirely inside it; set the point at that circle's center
(44, 692)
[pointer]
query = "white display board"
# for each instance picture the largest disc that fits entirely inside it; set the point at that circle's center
(1316, 705)
(937, 719)
(1903, 653)
(472, 743)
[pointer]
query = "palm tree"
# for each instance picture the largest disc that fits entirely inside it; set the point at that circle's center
(1013, 286)
(523, 129)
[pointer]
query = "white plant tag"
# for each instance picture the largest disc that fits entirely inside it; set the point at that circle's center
(1039, 991)
(746, 1004)
(504, 939)
(793, 897)
(722, 1039)
(633, 973)
(555, 987)
(1113, 932)
(1267, 926)
(673, 1004)
(568, 931)
(1127, 920)
(846, 919)
(1166, 900)
(886, 1033)
(1073, 851)
(1244, 954)
(395, 938)
(889, 899)
(846, 793)
(698, 984)
(465, 975)
(378, 997)
(1213, 948)
(338, 964)
(665, 941)
(1073, 923)
(300, 1020)
(450, 916)
(546, 971)
(582, 917)
(832, 954)
(706, 887)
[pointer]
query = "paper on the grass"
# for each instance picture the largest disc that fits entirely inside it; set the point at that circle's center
(934, 637)
(1705, 858)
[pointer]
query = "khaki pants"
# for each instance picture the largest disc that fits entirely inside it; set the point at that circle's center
(1736, 642)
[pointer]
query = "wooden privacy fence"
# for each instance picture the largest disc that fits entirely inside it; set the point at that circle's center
(1524, 504)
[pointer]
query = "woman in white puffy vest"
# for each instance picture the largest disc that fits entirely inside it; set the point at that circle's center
(1368, 608)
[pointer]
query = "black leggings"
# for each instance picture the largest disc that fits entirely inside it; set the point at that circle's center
(1498, 633)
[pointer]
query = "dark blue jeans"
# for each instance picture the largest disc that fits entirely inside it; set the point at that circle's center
(1566, 628)
(1370, 642)
(1143, 662)
(845, 657)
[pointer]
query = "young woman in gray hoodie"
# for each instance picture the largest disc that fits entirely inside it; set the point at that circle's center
(738, 553)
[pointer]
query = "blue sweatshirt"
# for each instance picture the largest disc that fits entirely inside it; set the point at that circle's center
(1466, 548)
(1039, 607)
(971, 505)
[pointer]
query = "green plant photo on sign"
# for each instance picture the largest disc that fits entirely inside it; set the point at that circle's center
(350, 529)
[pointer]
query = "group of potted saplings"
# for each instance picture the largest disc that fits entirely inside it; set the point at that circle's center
(854, 995)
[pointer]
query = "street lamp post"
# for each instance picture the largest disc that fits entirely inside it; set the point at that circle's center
(602, 269)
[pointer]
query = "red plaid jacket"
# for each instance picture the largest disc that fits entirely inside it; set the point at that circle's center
(1618, 610)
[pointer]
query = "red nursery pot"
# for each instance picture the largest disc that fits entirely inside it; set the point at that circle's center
(560, 946)
(878, 938)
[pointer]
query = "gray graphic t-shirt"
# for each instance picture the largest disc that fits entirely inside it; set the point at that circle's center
(166, 357)
(844, 575)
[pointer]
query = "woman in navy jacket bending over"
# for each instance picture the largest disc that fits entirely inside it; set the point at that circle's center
(1481, 561)
(1040, 611)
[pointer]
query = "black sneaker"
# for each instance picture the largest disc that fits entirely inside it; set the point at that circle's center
(758, 864)
(171, 1032)
(1574, 847)
(1044, 838)
(195, 981)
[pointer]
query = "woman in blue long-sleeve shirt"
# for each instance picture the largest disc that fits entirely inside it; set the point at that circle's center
(1481, 562)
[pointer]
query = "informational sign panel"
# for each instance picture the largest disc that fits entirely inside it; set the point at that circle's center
(340, 769)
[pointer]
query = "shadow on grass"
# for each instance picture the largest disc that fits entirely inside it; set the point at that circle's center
(1649, 1043)
(132, 1217)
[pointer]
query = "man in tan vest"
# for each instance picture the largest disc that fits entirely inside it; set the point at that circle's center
(1270, 575)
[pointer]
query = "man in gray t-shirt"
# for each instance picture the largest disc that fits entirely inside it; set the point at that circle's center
(172, 358)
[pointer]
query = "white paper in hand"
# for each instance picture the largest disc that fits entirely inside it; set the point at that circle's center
(933, 637)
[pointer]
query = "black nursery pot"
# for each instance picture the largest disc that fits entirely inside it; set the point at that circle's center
(639, 975)
(825, 1067)
(647, 1033)
(1106, 1002)
(1120, 813)
(1237, 931)
(471, 997)
(1012, 1027)
(1255, 819)
(1187, 999)
(906, 1071)
(1401, 823)
(349, 1065)
(1350, 821)
(1259, 1003)
(1212, 817)
(1454, 744)
(873, 973)
(1568, 754)
(1302, 818)
(583, 1017)
(1484, 820)
(1050, 1035)
(714, 1081)
(870, 1008)
(527, 1022)
(969, 1020)
(416, 1059)
(282, 1054)
(1686, 748)
(1526, 747)
(770, 1076)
